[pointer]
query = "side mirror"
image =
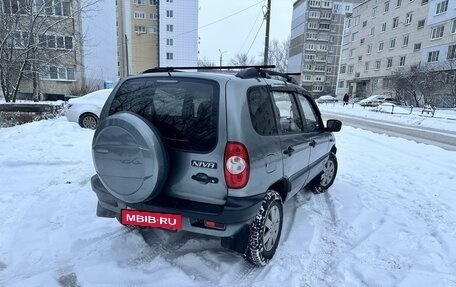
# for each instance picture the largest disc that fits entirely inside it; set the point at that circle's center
(333, 125)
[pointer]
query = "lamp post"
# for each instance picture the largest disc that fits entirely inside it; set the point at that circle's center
(221, 54)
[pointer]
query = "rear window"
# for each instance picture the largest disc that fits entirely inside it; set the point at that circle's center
(184, 110)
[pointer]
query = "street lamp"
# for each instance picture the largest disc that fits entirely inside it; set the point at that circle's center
(221, 53)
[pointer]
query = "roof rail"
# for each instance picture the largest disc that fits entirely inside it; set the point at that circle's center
(177, 69)
(260, 73)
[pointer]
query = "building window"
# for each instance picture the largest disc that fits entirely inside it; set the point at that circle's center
(405, 40)
(312, 25)
(402, 61)
(329, 69)
(350, 69)
(395, 22)
(408, 18)
(392, 43)
(169, 42)
(417, 47)
(424, 2)
(437, 32)
(140, 29)
(362, 41)
(352, 52)
(341, 84)
(383, 27)
(343, 69)
(378, 64)
(360, 58)
(58, 73)
(364, 23)
(386, 6)
(169, 56)
(433, 56)
(369, 48)
(451, 52)
(317, 88)
(453, 27)
(169, 1)
(140, 2)
(372, 31)
(153, 30)
(169, 13)
(366, 66)
(353, 36)
(380, 46)
(307, 78)
(153, 16)
(374, 11)
(140, 15)
(421, 24)
(389, 62)
(398, 3)
(169, 28)
(51, 7)
(442, 7)
(153, 2)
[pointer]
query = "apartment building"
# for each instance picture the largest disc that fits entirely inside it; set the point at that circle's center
(384, 37)
(152, 33)
(50, 32)
(316, 37)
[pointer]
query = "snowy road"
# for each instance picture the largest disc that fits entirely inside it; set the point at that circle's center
(442, 138)
(389, 220)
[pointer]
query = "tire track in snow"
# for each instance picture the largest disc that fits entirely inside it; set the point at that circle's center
(321, 261)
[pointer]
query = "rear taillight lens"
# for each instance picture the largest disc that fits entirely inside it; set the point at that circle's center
(237, 167)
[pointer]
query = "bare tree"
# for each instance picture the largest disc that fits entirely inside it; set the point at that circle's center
(278, 54)
(38, 38)
(205, 62)
(242, 59)
(449, 72)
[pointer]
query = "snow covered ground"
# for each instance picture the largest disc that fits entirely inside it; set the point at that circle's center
(389, 220)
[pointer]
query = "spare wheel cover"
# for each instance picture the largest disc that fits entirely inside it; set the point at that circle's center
(129, 157)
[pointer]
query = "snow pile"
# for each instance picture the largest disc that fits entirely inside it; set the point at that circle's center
(389, 220)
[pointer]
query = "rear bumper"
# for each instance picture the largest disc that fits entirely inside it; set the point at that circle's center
(235, 214)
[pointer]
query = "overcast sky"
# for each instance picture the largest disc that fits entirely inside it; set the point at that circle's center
(236, 33)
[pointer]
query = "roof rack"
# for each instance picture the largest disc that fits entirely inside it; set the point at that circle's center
(247, 72)
(260, 73)
(177, 69)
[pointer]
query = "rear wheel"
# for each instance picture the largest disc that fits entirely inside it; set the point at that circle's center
(265, 230)
(88, 121)
(327, 176)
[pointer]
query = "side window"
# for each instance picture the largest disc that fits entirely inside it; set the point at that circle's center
(311, 122)
(290, 119)
(261, 111)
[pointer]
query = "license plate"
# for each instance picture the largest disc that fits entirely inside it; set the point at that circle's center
(151, 219)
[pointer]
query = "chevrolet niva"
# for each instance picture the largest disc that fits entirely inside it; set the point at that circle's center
(211, 153)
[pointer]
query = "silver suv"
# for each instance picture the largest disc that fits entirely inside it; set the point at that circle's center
(211, 153)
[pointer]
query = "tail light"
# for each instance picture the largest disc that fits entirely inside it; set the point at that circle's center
(236, 165)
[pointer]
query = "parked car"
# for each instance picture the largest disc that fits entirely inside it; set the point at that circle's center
(86, 110)
(372, 101)
(211, 153)
(327, 99)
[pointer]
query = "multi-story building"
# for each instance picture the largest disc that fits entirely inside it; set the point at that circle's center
(316, 37)
(384, 37)
(44, 39)
(152, 33)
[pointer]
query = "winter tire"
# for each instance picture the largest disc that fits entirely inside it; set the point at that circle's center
(129, 157)
(88, 121)
(326, 178)
(265, 230)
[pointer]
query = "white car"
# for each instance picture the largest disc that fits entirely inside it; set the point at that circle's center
(86, 110)
(372, 101)
(327, 99)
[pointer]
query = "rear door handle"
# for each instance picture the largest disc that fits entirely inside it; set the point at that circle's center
(313, 143)
(204, 178)
(289, 151)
